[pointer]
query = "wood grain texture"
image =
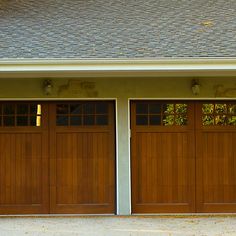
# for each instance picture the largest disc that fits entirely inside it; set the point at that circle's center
(163, 168)
(24, 169)
(216, 167)
(82, 168)
(72, 172)
(183, 169)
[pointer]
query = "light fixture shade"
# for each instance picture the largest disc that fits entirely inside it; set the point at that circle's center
(47, 87)
(195, 87)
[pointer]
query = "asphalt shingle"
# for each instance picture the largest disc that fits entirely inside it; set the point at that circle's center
(117, 28)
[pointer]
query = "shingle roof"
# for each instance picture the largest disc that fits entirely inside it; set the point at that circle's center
(117, 28)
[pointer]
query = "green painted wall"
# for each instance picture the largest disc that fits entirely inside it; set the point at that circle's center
(121, 89)
(117, 88)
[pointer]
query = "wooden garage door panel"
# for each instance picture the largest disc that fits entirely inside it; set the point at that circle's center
(163, 171)
(162, 183)
(216, 175)
(23, 160)
(164, 175)
(215, 160)
(81, 176)
(82, 159)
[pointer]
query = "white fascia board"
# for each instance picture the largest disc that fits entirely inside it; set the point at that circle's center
(129, 65)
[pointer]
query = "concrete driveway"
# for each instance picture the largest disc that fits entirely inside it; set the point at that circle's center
(118, 226)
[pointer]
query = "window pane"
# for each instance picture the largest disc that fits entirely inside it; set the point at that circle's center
(8, 109)
(38, 123)
(22, 109)
(35, 109)
(141, 120)
(155, 120)
(154, 108)
(168, 120)
(22, 121)
(62, 120)
(8, 120)
(75, 120)
(221, 120)
(208, 108)
(35, 121)
(168, 108)
(142, 108)
(102, 108)
(220, 108)
(89, 108)
(232, 120)
(208, 120)
(62, 109)
(181, 120)
(232, 109)
(101, 120)
(89, 120)
(181, 108)
(76, 108)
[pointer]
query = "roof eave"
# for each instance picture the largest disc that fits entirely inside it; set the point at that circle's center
(118, 65)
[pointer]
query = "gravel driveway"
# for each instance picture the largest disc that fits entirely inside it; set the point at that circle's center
(115, 225)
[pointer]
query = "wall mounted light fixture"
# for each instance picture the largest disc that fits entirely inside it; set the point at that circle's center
(195, 87)
(47, 86)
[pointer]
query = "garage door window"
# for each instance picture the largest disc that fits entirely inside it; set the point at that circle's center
(20, 114)
(218, 114)
(166, 114)
(79, 114)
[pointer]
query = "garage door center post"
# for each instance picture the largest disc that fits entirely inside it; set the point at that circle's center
(123, 158)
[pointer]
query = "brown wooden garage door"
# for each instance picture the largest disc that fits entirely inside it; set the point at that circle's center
(183, 156)
(57, 157)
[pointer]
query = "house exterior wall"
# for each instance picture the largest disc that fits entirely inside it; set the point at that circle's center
(122, 90)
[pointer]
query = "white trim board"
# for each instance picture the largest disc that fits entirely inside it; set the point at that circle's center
(115, 65)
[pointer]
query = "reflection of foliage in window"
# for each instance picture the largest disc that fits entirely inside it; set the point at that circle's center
(207, 108)
(232, 120)
(232, 108)
(208, 120)
(221, 108)
(181, 108)
(219, 114)
(169, 109)
(221, 120)
(175, 114)
(181, 120)
(168, 120)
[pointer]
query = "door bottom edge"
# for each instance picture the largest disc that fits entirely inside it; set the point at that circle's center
(54, 215)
